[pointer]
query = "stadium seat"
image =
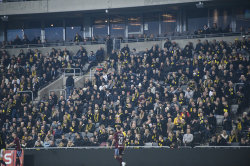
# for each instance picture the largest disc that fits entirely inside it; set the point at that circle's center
(184, 87)
(97, 125)
(185, 106)
(83, 134)
(219, 119)
(90, 134)
(66, 135)
(54, 126)
(155, 144)
(58, 141)
(235, 144)
(148, 144)
(234, 109)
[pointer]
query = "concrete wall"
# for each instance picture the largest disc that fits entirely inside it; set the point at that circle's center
(79, 82)
(54, 85)
(139, 157)
(47, 6)
(72, 49)
(141, 46)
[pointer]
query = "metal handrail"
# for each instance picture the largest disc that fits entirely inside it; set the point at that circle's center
(236, 85)
(172, 37)
(71, 69)
(44, 85)
(91, 72)
(92, 147)
(58, 90)
(27, 91)
(63, 43)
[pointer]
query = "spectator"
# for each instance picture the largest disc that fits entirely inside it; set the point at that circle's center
(69, 85)
(227, 123)
(91, 60)
(17, 41)
(52, 144)
(109, 44)
(100, 54)
(77, 38)
(206, 30)
(59, 132)
(188, 138)
(25, 40)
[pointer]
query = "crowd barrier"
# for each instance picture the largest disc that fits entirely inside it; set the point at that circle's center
(137, 156)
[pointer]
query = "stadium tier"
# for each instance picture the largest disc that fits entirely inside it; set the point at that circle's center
(148, 76)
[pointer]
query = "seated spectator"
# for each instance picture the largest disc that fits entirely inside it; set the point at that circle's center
(17, 41)
(77, 38)
(52, 144)
(58, 132)
(187, 138)
(70, 144)
(206, 30)
(25, 40)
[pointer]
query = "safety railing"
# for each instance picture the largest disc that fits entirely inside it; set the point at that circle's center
(18, 0)
(58, 90)
(92, 147)
(237, 87)
(46, 84)
(116, 42)
(27, 91)
(90, 72)
(52, 44)
(68, 71)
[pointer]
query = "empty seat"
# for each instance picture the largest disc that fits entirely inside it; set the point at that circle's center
(58, 141)
(177, 34)
(97, 125)
(155, 144)
(83, 134)
(90, 134)
(148, 144)
(219, 119)
(184, 87)
(165, 138)
(54, 126)
(234, 109)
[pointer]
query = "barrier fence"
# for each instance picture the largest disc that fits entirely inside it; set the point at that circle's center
(134, 156)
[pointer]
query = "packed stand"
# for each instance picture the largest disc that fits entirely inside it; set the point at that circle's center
(29, 72)
(166, 97)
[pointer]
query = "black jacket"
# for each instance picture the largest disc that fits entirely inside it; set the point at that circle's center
(70, 81)
(227, 125)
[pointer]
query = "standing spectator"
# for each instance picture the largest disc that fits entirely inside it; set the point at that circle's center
(109, 44)
(91, 60)
(167, 44)
(188, 138)
(100, 54)
(227, 123)
(69, 85)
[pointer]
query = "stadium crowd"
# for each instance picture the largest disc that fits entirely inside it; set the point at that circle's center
(167, 96)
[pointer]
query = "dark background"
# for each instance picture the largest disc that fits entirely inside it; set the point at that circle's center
(138, 157)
